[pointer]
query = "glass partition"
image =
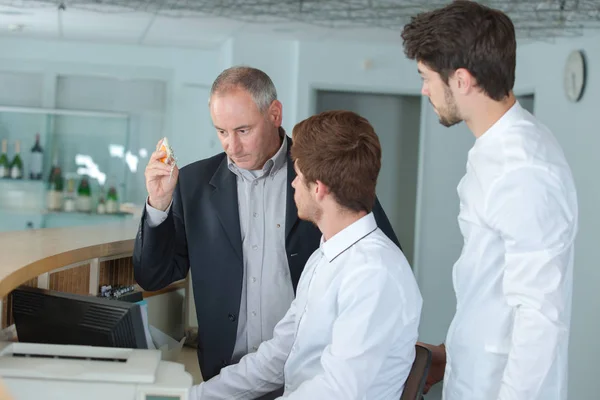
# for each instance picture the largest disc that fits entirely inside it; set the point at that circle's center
(63, 167)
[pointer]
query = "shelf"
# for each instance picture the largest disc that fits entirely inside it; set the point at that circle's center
(85, 143)
(57, 111)
(22, 182)
(84, 214)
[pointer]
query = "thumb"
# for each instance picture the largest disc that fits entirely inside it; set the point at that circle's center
(426, 388)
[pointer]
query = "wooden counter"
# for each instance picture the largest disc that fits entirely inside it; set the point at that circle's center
(95, 255)
(25, 255)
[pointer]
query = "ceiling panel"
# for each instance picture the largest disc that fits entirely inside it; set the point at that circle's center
(190, 32)
(28, 22)
(208, 22)
(121, 27)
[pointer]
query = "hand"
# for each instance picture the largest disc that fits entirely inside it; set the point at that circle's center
(438, 365)
(159, 182)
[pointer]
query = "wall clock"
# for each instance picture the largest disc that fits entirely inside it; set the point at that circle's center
(574, 75)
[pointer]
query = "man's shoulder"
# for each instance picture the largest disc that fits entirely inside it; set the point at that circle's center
(202, 169)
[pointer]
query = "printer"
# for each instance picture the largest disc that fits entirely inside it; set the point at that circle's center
(72, 372)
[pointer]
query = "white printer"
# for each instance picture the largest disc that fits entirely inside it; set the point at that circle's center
(53, 372)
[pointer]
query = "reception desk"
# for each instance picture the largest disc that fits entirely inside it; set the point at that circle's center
(31, 254)
(79, 260)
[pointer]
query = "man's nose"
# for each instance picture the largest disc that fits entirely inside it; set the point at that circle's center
(234, 144)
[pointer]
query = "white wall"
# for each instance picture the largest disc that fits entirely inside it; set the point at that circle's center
(300, 67)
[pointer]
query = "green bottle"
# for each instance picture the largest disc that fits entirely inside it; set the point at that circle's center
(16, 167)
(84, 195)
(112, 201)
(55, 190)
(84, 187)
(57, 182)
(112, 194)
(4, 165)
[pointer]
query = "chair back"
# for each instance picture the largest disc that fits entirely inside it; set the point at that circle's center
(413, 387)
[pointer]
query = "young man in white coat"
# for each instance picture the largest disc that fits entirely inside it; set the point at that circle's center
(518, 215)
(350, 333)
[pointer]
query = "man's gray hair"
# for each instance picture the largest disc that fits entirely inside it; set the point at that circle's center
(252, 80)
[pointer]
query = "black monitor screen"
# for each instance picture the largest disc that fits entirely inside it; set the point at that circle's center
(46, 316)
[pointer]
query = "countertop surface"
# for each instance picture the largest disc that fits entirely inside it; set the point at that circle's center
(25, 255)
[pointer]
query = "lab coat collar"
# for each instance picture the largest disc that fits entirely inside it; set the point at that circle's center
(347, 237)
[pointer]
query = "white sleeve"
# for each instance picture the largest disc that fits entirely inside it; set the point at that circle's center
(257, 373)
(370, 319)
(536, 218)
(154, 216)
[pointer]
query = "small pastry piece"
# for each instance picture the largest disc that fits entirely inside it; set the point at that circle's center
(164, 146)
(169, 159)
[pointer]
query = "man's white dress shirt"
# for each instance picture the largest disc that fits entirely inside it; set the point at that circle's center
(349, 334)
(513, 280)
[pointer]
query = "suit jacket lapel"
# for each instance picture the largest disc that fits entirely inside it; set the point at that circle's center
(225, 201)
(291, 212)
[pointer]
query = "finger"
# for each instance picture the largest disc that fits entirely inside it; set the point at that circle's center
(159, 143)
(157, 174)
(157, 155)
(156, 164)
(153, 172)
(159, 177)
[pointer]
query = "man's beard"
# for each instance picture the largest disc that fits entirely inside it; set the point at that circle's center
(312, 215)
(451, 116)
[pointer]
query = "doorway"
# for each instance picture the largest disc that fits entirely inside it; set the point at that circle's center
(397, 120)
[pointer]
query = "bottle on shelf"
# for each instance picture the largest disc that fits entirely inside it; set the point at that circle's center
(84, 195)
(4, 164)
(101, 208)
(37, 160)
(112, 201)
(69, 197)
(55, 187)
(16, 166)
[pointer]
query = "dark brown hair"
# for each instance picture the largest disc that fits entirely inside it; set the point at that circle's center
(340, 149)
(465, 34)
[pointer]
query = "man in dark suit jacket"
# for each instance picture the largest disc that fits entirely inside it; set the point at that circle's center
(232, 219)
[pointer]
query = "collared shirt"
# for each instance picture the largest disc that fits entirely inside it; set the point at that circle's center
(267, 291)
(513, 281)
(349, 334)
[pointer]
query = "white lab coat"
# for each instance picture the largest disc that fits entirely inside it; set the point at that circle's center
(513, 280)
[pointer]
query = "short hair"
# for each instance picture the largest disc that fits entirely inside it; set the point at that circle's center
(465, 34)
(340, 149)
(252, 80)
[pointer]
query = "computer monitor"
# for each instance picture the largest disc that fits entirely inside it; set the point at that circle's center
(47, 316)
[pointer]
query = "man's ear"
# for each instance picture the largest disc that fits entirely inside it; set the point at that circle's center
(321, 190)
(276, 113)
(465, 82)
